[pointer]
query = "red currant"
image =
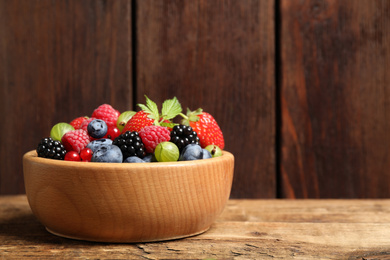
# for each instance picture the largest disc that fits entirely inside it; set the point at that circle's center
(86, 155)
(72, 156)
(112, 132)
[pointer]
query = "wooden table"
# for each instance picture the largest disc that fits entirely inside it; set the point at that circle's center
(247, 229)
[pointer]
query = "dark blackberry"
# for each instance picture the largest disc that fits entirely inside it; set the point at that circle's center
(130, 144)
(48, 148)
(182, 135)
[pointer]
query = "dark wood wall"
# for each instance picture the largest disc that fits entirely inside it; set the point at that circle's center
(335, 94)
(299, 88)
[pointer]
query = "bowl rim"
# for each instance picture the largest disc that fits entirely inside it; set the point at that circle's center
(32, 156)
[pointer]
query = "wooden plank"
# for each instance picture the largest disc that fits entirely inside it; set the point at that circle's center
(334, 99)
(58, 60)
(231, 237)
(308, 210)
(218, 55)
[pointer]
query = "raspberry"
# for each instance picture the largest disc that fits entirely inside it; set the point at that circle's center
(75, 140)
(130, 144)
(77, 122)
(107, 113)
(48, 148)
(153, 135)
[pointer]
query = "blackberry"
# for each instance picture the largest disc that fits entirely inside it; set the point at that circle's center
(183, 135)
(130, 144)
(48, 148)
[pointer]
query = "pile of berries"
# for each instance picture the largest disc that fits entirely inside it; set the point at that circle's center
(131, 137)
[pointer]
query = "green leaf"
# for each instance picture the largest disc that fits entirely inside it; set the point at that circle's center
(171, 108)
(150, 108)
(169, 125)
(193, 115)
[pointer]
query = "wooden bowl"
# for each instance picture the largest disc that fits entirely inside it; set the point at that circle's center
(127, 202)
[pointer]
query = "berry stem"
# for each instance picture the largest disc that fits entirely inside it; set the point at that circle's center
(183, 115)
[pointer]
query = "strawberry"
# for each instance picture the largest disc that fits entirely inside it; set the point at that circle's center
(205, 126)
(75, 140)
(106, 113)
(149, 115)
(77, 122)
(137, 122)
(153, 135)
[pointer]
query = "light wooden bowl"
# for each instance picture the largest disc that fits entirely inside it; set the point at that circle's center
(114, 202)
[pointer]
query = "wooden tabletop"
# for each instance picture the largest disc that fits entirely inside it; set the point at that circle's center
(247, 229)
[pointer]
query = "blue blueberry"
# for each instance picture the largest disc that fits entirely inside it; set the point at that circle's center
(206, 154)
(94, 145)
(191, 152)
(97, 128)
(149, 158)
(133, 159)
(108, 153)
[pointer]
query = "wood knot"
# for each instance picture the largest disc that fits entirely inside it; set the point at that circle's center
(258, 234)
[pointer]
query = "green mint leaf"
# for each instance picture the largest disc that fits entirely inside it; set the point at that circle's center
(171, 108)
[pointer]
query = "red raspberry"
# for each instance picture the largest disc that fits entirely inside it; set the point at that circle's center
(106, 113)
(153, 135)
(75, 140)
(77, 122)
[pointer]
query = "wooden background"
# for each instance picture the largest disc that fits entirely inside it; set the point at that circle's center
(300, 88)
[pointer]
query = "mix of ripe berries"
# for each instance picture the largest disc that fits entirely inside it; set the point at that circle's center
(131, 137)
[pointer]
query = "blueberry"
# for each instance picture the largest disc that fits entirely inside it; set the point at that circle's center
(206, 154)
(149, 158)
(94, 145)
(108, 153)
(133, 159)
(191, 152)
(97, 128)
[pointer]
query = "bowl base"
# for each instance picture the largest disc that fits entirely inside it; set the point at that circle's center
(124, 240)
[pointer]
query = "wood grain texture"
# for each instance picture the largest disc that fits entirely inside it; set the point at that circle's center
(61, 59)
(335, 99)
(308, 211)
(127, 202)
(261, 234)
(58, 60)
(218, 55)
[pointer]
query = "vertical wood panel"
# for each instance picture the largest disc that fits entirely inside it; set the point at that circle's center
(58, 60)
(218, 55)
(335, 98)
